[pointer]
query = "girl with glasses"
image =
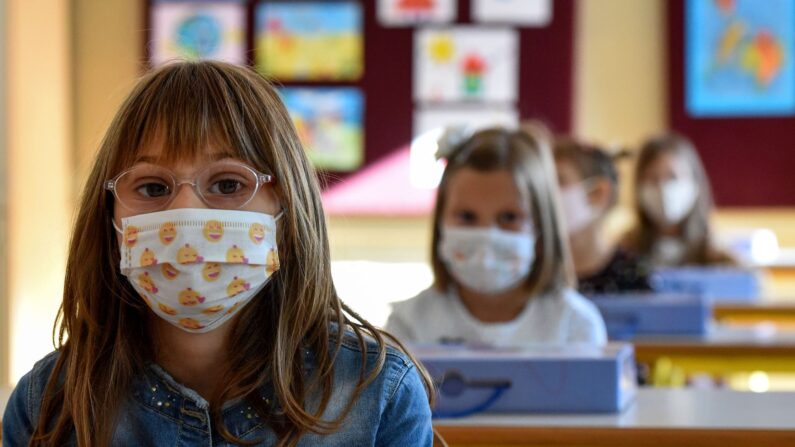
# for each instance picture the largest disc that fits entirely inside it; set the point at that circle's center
(198, 304)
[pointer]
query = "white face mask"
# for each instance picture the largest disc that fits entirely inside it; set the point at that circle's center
(670, 202)
(577, 210)
(196, 268)
(488, 261)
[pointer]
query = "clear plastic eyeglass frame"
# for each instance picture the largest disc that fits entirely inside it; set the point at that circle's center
(176, 183)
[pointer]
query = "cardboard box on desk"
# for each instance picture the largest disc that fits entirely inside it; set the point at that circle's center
(530, 379)
(717, 283)
(630, 314)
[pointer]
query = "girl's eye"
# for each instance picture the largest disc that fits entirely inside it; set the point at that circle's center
(153, 190)
(226, 186)
(466, 217)
(508, 218)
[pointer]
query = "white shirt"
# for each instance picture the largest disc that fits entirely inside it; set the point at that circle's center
(434, 317)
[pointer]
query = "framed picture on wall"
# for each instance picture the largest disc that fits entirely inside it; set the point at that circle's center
(329, 121)
(466, 64)
(739, 58)
(198, 30)
(310, 41)
(531, 13)
(416, 12)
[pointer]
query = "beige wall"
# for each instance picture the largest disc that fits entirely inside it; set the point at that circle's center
(69, 65)
(5, 318)
(38, 75)
(107, 40)
(620, 70)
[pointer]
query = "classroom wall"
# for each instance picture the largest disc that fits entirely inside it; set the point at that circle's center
(39, 160)
(108, 40)
(5, 318)
(73, 82)
(620, 71)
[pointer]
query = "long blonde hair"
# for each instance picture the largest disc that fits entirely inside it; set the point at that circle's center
(696, 230)
(526, 154)
(102, 321)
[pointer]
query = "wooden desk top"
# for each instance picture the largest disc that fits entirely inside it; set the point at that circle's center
(722, 340)
(658, 417)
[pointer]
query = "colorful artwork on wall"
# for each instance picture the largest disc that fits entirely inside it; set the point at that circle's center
(301, 41)
(465, 64)
(531, 13)
(198, 30)
(329, 121)
(415, 12)
(739, 58)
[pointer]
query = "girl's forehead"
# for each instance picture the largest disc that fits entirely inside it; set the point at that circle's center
(496, 187)
(156, 151)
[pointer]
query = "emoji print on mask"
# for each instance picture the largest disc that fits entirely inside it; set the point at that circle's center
(236, 256)
(188, 255)
(166, 309)
(169, 271)
(237, 286)
(190, 323)
(213, 230)
(146, 283)
(168, 232)
(272, 263)
(148, 258)
(213, 309)
(190, 297)
(257, 233)
(130, 236)
(233, 308)
(211, 271)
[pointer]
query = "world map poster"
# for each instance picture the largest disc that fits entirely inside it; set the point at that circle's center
(739, 58)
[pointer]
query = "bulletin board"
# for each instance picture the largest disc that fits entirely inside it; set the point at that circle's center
(545, 77)
(749, 155)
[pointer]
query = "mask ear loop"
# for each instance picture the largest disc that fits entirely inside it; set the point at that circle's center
(116, 227)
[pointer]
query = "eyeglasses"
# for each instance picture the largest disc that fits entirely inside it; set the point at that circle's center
(222, 185)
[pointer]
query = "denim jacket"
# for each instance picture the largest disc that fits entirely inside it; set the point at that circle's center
(392, 411)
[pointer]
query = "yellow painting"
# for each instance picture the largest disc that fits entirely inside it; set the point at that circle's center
(310, 41)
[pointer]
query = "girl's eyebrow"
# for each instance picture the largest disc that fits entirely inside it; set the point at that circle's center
(215, 156)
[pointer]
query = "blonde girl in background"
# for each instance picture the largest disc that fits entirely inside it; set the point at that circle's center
(198, 304)
(673, 203)
(589, 191)
(502, 271)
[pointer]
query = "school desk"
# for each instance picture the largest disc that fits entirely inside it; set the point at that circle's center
(779, 312)
(658, 417)
(726, 349)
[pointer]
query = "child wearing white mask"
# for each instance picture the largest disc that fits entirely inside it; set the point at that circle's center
(198, 304)
(673, 206)
(500, 259)
(589, 190)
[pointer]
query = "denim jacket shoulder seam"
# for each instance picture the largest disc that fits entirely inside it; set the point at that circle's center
(397, 381)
